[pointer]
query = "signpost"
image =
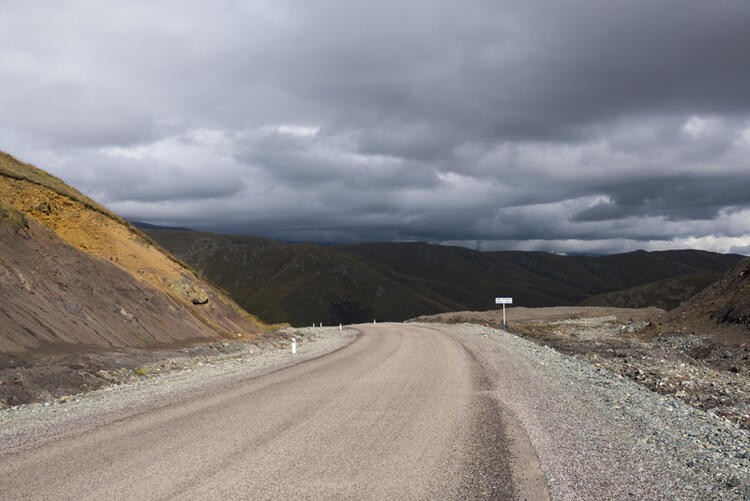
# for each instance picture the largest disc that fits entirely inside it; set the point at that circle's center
(504, 301)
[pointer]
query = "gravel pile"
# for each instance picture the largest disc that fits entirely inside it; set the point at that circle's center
(196, 372)
(599, 435)
(724, 393)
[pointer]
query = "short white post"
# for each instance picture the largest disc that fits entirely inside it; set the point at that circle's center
(294, 345)
(340, 329)
(374, 321)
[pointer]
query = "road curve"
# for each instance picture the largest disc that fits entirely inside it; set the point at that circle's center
(403, 412)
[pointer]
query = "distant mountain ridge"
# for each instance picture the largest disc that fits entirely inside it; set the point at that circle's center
(148, 226)
(302, 283)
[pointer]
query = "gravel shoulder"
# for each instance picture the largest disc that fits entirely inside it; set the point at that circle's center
(193, 372)
(599, 435)
(707, 368)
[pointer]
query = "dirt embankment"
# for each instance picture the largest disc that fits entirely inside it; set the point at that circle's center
(65, 314)
(56, 377)
(704, 368)
(101, 235)
(77, 281)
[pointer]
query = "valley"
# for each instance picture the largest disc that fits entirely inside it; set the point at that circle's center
(120, 341)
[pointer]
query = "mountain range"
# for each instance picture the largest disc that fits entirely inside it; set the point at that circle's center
(305, 283)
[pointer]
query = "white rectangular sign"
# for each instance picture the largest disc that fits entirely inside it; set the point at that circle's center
(503, 300)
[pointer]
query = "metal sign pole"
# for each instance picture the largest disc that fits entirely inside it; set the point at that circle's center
(505, 326)
(504, 301)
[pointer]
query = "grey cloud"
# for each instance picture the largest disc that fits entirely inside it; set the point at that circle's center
(304, 161)
(583, 123)
(149, 180)
(674, 197)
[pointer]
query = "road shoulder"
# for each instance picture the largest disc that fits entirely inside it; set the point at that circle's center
(600, 436)
(33, 424)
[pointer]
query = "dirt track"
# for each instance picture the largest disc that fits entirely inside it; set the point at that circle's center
(403, 412)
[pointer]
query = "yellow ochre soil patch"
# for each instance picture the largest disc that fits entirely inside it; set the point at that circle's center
(87, 226)
(91, 231)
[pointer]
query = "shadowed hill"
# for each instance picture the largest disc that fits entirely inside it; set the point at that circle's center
(725, 302)
(664, 294)
(305, 283)
(77, 277)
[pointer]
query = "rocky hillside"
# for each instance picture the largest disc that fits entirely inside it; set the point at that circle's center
(665, 294)
(75, 277)
(725, 302)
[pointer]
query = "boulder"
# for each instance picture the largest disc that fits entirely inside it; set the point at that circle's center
(193, 293)
(42, 206)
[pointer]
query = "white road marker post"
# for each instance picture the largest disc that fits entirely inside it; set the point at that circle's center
(294, 345)
(504, 301)
(340, 328)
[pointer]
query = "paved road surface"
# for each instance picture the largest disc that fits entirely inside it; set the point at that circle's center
(404, 412)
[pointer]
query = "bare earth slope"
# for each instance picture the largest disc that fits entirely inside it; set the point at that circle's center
(725, 303)
(75, 278)
(54, 296)
(92, 229)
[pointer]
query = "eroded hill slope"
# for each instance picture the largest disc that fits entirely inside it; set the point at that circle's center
(74, 276)
(726, 302)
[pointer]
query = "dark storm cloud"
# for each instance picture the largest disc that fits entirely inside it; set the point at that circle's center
(675, 197)
(540, 124)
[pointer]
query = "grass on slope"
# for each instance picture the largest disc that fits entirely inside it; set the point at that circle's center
(12, 217)
(302, 283)
(13, 168)
(306, 283)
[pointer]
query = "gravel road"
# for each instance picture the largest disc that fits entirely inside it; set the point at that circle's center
(404, 411)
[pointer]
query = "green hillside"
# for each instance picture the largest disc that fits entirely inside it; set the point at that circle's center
(302, 283)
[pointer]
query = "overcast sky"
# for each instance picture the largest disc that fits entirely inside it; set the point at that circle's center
(566, 126)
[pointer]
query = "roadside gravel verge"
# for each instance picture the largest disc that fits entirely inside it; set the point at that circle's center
(162, 383)
(601, 436)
